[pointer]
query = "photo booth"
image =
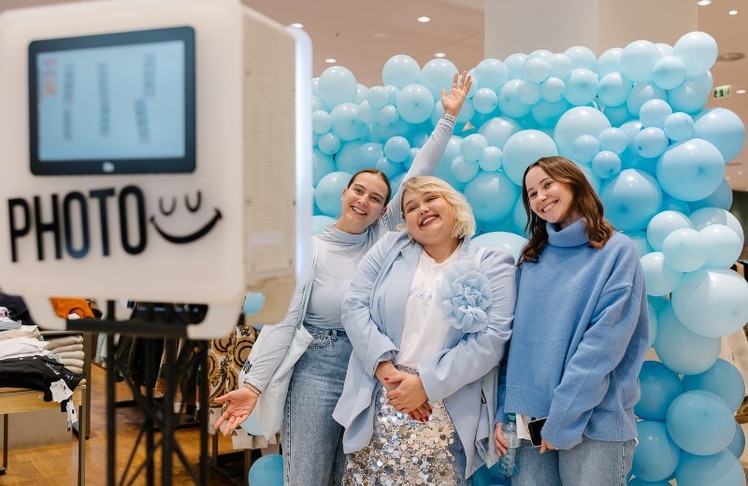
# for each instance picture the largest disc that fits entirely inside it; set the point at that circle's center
(156, 151)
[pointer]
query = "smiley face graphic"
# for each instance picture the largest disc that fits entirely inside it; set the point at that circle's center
(192, 208)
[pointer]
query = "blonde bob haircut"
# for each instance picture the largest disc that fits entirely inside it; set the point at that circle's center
(464, 219)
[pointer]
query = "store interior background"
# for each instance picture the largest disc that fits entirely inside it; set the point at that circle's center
(363, 35)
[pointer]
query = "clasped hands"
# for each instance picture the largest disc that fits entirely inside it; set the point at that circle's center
(405, 392)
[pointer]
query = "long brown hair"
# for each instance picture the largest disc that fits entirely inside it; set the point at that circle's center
(585, 203)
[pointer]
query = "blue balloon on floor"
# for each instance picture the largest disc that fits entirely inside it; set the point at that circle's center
(267, 471)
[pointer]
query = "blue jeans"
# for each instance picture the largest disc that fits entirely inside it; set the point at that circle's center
(590, 463)
(312, 439)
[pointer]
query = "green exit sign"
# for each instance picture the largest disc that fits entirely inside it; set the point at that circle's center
(721, 91)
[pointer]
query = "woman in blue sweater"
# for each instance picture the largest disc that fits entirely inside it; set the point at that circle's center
(579, 337)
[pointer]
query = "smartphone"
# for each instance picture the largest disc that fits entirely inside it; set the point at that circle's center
(534, 427)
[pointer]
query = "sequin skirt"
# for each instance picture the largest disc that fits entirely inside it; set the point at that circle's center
(403, 451)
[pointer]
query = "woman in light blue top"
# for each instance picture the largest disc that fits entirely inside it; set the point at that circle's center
(429, 315)
(311, 439)
(579, 337)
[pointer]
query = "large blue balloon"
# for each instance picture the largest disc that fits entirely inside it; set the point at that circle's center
(631, 199)
(700, 422)
(524, 148)
(492, 196)
(723, 128)
(400, 71)
(681, 349)
(659, 387)
(721, 469)
(691, 170)
(723, 379)
(656, 456)
(267, 471)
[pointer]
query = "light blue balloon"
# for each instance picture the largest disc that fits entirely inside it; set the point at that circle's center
(492, 195)
(722, 468)
(681, 349)
(698, 50)
(664, 223)
(490, 73)
(509, 102)
(437, 74)
(641, 93)
(560, 65)
(723, 379)
(737, 446)
(345, 158)
(337, 85)
(638, 60)
(472, 147)
(514, 65)
(651, 142)
(639, 238)
(581, 87)
(464, 170)
(368, 155)
(659, 386)
(388, 116)
(510, 242)
(653, 113)
(321, 122)
(345, 122)
(700, 422)
(631, 199)
(684, 250)
(609, 61)
(492, 159)
(377, 97)
(691, 170)
(722, 128)
(679, 126)
(720, 198)
(267, 471)
(497, 130)
(613, 139)
(485, 100)
(641, 482)
(391, 169)
(361, 93)
(661, 278)
(392, 92)
(253, 303)
(401, 70)
(366, 113)
(397, 148)
(724, 246)
(547, 114)
(251, 426)
(536, 69)
(712, 302)
(328, 192)
(580, 120)
(618, 115)
(552, 89)
(328, 143)
(524, 148)
(672, 204)
(613, 89)
(584, 149)
(319, 223)
(669, 72)
(415, 103)
(705, 216)
(690, 96)
(582, 57)
(322, 164)
(528, 92)
(656, 456)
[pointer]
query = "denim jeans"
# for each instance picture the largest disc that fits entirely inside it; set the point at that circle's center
(590, 463)
(312, 440)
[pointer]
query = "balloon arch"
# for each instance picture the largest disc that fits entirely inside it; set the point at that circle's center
(635, 121)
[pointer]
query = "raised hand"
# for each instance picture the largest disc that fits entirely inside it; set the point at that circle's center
(453, 101)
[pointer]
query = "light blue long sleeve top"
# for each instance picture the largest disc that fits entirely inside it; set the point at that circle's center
(373, 313)
(579, 338)
(338, 255)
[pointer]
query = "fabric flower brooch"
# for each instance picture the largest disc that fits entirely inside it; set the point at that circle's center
(466, 297)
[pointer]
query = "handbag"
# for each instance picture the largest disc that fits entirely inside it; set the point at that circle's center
(267, 416)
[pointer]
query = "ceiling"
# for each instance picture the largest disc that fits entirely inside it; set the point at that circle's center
(362, 35)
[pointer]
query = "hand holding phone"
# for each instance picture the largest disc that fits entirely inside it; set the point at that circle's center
(535, 426)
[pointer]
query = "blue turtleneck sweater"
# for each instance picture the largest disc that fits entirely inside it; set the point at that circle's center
(579, 338)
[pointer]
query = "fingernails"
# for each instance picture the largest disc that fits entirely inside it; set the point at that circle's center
(386, 378)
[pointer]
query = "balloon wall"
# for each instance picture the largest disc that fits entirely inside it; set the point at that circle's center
(635, 120)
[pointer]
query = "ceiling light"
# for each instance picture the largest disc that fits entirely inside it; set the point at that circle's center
(704, 3)
(331, 60)
(297, 25)
(440, 54)
(739, 91)
(732, 12)
(424, 19)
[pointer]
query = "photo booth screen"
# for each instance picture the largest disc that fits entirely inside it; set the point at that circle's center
(113, 103)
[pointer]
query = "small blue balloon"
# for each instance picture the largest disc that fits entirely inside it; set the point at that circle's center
(415, 103)
(723, 379)
(661, 278)
(664, 223)
(267, 471)
(669, 72)
(737, 446)
(659, 387)
(464, 170)
(337, 85)
(691, 170)
(397, 148)
(700, 422)
(490, 73)
(679, 126)
(581, 87)
(472, 147)
(638, 60)
(492, 196)
(485, 100)
(328, 192)
(656, 456)
(613, 139)
(653, 113)
(253, 303)
(437, 74)
(319, 222)
(613, 89)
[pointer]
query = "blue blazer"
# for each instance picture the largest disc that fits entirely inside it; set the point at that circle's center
(373, 312)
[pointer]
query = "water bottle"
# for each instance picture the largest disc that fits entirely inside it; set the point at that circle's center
(509, 462)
